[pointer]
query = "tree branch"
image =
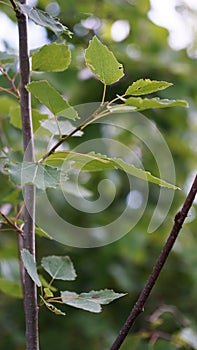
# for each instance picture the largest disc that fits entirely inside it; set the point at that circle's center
(30, 291)
(139, 305)
(11, 223)
(87, 121)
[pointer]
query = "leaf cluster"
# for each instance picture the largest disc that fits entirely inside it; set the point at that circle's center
(103, 64)
(61, 268)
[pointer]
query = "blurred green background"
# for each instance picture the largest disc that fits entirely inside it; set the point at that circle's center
(124, 266)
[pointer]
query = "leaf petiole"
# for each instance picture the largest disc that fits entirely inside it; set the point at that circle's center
(104, 93)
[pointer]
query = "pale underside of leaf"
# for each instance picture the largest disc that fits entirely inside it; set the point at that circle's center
(30, 266)
(63, 127)
(40, 175)
(59, 267)
(91, 301)
(43, 19)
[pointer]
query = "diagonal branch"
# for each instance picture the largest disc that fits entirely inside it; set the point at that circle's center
(139, 305)
(87, 121)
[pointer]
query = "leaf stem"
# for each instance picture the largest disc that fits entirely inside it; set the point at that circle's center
(115, 99)
(104, 93)
(6, 229)
(19, 212)
(51, 282)
(11, 81)
(11, 223)
(139, 305)
(58, 299)
(8, 91)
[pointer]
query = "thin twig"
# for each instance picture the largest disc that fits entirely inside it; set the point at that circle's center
(11, 223)
(7, 219)
(87, 121)
(63, 139)
(58, 126)
(115, 99)
(19, 212)
(139, 306)
(7, 229)
(9, 91)
(14, 91)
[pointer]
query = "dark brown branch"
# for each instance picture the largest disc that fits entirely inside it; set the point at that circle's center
(14, 5)
(139, 306)
(29, 287)
(62, 139)
(89, 119)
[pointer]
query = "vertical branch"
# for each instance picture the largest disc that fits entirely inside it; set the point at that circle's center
(30, 291)
(139, 305)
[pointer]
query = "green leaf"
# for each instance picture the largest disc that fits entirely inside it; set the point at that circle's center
(75, 189)
(10, 288)
(30, 266)
(7, 58)
(91, 301)
(6, 103)
(98, 162)
(102, 62)
(79, 301)
(48, 293)
(15, 156)
(65, 127)
(51, 58)
(145, 103)
(146, 86)
(59, 267)
(40, 175)
(44, 19)
(85, 162)
(40, 232)
(52, 308)
(13, 197)
(121, 108)
(15, 118)
(51, 98)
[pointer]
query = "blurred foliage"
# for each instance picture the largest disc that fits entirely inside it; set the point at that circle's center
(123, 265)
